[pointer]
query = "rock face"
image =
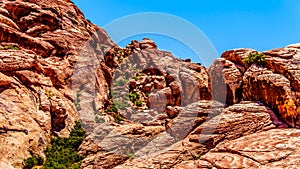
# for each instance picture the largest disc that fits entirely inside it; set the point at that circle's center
(276, 84)
(39, 44)
(140, 106)
(166, 132)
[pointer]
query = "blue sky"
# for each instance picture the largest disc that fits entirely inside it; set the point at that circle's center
(228, 24)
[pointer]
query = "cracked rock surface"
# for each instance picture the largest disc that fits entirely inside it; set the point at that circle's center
(141, 107)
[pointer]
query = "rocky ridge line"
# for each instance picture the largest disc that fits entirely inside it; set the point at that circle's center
(175, 122)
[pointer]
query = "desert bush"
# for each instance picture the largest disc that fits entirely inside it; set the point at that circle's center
(138, 103)
(134, 96)
(120, 82)
(116, 115)
(9, 47)
(62, 154)
(33, 161)
(112, 108)
(255, 57)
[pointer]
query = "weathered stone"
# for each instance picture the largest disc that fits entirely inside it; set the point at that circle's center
(229, 75)
(56, 66)
(40, 42)
(276, 148)
(147, 43)
(272, 89)
(276, 83)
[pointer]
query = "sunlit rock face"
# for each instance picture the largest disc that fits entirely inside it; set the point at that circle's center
(39, 45)
(56, 68)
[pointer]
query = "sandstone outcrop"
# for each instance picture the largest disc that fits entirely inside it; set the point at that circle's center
(257, 102)
(276, 84)
(39, 44)
(172, 149)
(140, 107)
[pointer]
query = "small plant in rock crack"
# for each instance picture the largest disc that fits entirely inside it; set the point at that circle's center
(120, 82)
(10, 47)
(118, 118)
(116, 115)
(130, 152)
(134, 96)
(130, 155)
(120, 105)
(99, 119)
(138, 103)
(49, 94)
(255, 57)
(196, 156)
(77, 101)
(40, 107)
(138, 76)
(112, 108)
(119, 53)
(100, 46)
(113, 93)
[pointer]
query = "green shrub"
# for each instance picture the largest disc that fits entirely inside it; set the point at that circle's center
(33, 161)
(77, 102)
(118, 118)
(134, 96)
(119, 53)
(10, 47)
(99, 119)
(112, 108)
(40, 160)
(197, 156)
(112, 93)
(138, 76)
(62, 154)
(40, 107)
(130, 155)
(29, 163)
(120, 105)
(49, 94)
(121, 82)
(255, 57)
(138, 103)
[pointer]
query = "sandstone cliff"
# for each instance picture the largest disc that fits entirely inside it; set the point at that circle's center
(39, 42)
(141, 107)
(193, 117)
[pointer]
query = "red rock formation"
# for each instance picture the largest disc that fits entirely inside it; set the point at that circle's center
(276, 84)
(40, 41)
(55, 66)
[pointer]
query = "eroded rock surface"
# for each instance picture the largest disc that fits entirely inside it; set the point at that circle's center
(276, 83)
(39, 44)
(140, 106)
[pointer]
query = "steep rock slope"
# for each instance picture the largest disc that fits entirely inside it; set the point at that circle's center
(141, 107)
(276, 84)
(39, 43)
(202, 133)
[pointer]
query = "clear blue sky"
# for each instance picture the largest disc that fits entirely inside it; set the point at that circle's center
(257, 24)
